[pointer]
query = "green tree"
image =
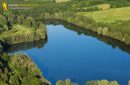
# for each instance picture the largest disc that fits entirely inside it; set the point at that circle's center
(59, 82)
(113, 83)
(68, 82)
(103, 82)
(93, 82)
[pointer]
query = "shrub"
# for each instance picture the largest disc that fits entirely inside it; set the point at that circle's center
(68, 82)
(89, 9)
(103, 82)
(92, 82)
(104, 31)
(59, 82)
(127, 39)
(99, 30)
(41, 25)
(113, 83)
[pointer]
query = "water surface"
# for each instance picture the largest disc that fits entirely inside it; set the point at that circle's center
(79, 57)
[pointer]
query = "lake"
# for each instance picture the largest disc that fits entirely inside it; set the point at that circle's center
(78, 55)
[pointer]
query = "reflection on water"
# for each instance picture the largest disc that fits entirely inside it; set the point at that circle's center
(114, 43)
(39, 44)
(25, 46)
(77, 54)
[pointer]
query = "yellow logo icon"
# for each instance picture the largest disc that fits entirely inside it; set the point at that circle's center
(4, 6)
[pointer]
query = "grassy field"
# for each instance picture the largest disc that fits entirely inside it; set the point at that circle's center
(109, 15)
(58, 1)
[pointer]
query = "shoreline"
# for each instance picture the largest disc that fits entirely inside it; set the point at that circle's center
(108, 40)
(95, 28)
(20, 69)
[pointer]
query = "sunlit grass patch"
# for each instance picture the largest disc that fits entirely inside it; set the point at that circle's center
(58, 1)
(110, 15)
(104, 6)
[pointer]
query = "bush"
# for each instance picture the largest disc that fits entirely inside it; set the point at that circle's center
(113, 83)
(41, 25)
(103, 82)
(99, 30)
(89, 9)
(66, 82)
(104, 31)
(59, 82)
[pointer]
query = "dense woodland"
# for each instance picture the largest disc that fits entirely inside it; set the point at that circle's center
(66, 11)
(20, 70)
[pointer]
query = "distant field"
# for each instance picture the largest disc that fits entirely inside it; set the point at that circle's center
(58, 1)
(109, 15)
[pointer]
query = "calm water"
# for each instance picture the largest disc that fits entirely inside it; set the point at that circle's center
(67, 54)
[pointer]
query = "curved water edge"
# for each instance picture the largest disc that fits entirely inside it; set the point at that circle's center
(105, 29)
(45, 60)
(108, 40)
(19, 28)
(20, 70)
(28, 45)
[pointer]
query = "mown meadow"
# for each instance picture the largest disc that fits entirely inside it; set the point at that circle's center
(110, 15)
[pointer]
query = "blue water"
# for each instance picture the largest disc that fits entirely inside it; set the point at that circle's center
(79, 58)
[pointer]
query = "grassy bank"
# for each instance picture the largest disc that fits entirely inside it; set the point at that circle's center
(105, 17)
(116, 27)
(18, 28)
(21, 33)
